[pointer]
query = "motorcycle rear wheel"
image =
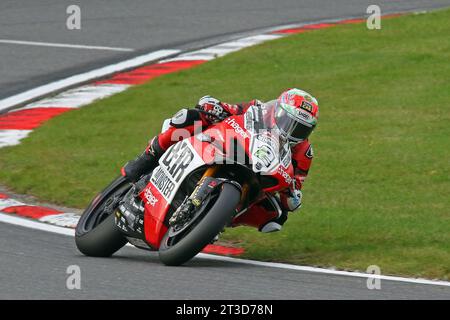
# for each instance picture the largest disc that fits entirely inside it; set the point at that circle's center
(96, 234)
(204, 231)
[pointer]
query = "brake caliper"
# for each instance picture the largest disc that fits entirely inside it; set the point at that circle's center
(185, 212)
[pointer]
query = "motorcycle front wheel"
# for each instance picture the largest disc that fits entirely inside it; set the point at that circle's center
(175, 253)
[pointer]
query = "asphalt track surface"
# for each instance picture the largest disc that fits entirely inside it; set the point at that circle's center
(145, 26)
(34, 263)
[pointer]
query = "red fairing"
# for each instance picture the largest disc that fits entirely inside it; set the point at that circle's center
(230, 129)
(173, 135)
(261, 212)
(156, 208)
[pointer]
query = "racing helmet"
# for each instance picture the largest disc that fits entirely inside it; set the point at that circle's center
(296, 113)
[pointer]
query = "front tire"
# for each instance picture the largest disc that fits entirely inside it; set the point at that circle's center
(205, 231)
(96, 234)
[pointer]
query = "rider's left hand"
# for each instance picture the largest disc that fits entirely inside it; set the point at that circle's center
(291, 200)
(295, 201)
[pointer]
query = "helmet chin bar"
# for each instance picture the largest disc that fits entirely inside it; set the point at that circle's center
(285, 138)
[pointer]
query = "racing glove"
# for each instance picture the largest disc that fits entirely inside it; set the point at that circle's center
(216, 110)
(291, 200)
(212, 108)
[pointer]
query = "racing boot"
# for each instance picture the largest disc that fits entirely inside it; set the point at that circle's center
(289, 201)
(147, 161)
(275, 224)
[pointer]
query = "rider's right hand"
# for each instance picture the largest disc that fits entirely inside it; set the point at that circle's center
(212, 108)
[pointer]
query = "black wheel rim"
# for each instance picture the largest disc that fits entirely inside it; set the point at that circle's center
(104, 208)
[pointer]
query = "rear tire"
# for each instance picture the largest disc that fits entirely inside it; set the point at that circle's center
(98, 236)
(204, 232)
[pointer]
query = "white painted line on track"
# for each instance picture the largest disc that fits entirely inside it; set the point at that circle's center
(190, 57)
(63, 45)
(65, 220)
(70, 232)
(325, 271)
(80, 96)
(12, 137)
(83, 77)
(35, 225)
(6, 203)
(222, 49)
(260, 38)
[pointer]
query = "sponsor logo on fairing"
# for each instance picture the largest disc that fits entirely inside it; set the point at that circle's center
(285, 175)
(237, 128)
(176, 163)
(151, 199)
(268, 137)
(177, 160)
(265, 154)
(162, 182)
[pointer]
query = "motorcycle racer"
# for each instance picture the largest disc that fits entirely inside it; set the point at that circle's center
(295, 114)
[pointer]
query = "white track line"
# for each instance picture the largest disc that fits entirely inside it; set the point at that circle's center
(325, 271)
(12, 137)
(83, 77)
(62, 45)
(35, 225)
(6, 203)
(70, 232)
(80, 96)
(65, 220)
(222, 49)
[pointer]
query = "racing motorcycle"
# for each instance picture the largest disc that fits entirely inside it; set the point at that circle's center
(202, 185)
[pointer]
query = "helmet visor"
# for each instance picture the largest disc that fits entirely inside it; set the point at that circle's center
(290, 125)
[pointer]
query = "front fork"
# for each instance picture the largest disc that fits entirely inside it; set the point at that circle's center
(207, 184)
(211, 171)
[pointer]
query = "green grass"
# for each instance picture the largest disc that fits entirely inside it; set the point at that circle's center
(378, 191)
